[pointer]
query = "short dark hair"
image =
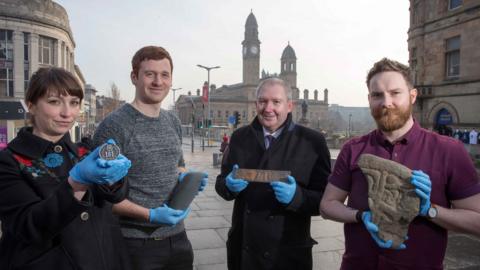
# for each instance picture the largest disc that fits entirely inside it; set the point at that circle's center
(390, 65)
(150, 53)
(54, 79)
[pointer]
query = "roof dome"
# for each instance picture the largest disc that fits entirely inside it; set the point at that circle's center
(288, 52)
(251, 21)
(41, 11)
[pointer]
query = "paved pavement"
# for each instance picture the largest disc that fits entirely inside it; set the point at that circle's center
(208, 224)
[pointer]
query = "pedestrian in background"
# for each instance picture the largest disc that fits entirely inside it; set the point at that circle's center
(224, 144)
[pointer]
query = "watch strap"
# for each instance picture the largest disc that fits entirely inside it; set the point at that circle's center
(358, 216)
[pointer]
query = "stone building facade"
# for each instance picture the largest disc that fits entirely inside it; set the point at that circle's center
(444, 49)
(33, 34)
(240, 97)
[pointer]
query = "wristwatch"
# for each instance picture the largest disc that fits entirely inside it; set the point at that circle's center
(432, 211)
(358, 216)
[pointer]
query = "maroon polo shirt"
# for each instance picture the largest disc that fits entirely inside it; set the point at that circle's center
(453, 177)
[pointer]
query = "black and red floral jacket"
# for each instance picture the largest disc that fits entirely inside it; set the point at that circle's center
(43, 225)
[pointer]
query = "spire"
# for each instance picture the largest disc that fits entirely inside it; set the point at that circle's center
(251, 21)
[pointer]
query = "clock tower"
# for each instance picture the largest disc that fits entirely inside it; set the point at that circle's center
(251, 51)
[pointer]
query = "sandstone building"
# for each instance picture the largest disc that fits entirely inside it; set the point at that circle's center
(33, 34)
(444, 49)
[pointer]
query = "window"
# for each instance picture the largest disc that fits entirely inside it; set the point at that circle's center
(45, 50)
(26, 75)
(219, 114)
(26, 47)
(63, 55)
(6, 82)
(67, 60)
(453, 4)
(413, 58)
(244, 114)
(452, 57)
(6, 69)
(211, 114)
(6, 44)
(226, 114)
(413, 64)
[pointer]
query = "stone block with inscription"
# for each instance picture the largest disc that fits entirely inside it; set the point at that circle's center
(391, 197)
(263, 176)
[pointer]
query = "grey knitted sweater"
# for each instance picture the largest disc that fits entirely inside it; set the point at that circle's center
(154, 146)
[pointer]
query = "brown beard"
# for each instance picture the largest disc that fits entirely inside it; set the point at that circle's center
(389, 120)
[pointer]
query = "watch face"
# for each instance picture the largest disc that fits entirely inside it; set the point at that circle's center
(254, 49)
(432, 212)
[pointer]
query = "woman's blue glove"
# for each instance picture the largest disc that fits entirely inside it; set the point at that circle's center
(284, 192)
(423, 189)
(167, 215)
(203, 182)
(95, 170)
(235, 185)
(372, 228)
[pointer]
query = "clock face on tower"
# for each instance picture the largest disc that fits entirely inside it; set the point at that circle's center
(254, 49)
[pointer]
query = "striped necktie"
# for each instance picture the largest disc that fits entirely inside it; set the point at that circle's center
(270, 140)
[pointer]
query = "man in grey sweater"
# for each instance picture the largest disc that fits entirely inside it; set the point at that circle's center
(151, 138)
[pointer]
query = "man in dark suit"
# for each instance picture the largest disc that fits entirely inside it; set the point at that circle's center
(271, 222)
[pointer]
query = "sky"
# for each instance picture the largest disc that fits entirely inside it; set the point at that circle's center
(336, 42)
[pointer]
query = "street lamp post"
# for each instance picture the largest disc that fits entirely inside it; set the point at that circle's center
(350, 125)
(208, 98)
(193, 121)
(173, 90)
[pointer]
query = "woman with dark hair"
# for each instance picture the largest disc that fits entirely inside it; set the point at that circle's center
(56, 196)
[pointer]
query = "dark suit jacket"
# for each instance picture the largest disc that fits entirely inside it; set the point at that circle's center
(43, 225)
(265, 233)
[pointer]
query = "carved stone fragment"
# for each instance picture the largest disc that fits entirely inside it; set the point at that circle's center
(264, 176)
(391, 197)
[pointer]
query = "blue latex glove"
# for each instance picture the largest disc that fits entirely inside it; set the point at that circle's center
(284, 191)
(203, 182)
(167, 215)
(372, 228)
(95, 170)
(423, 189)
(235, 185)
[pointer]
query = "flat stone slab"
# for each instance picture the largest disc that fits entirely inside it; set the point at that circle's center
(325, 228)
(391, 197)
(262, 176)
(213, 213)
(210, 256)
(462, 252)
(198, 223)
(218, 205)
(328, 244)
(205, 239)
(223, 232)
(327, 260)
(222, 266)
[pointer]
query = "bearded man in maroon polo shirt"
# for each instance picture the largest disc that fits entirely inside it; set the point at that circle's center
(443, 174)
